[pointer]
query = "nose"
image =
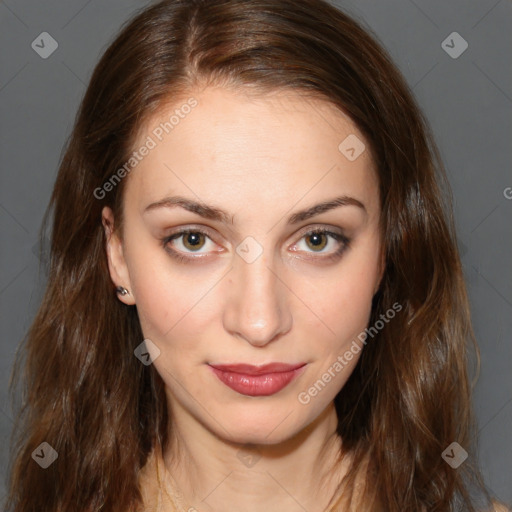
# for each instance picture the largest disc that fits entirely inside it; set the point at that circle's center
(257, 308)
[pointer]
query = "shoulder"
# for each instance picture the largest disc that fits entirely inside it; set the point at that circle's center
(500, 507)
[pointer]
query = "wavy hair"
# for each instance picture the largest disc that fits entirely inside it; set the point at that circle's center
(86, 394)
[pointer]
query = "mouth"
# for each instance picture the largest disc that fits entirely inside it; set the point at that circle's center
(253, 380)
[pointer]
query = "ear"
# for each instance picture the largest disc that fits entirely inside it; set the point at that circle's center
(116, 263)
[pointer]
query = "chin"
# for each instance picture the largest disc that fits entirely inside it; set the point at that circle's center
(264, 427)
(258, 438)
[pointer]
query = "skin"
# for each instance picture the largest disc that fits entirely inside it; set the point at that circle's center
(261, 159)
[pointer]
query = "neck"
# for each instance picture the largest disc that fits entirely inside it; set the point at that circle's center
(213, 474)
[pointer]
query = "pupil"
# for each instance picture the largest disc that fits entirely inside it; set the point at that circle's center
(193, 238)
(317, 239)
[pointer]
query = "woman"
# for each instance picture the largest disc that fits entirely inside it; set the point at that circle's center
(255, 299)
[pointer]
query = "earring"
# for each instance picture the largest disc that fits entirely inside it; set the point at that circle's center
(122, 291)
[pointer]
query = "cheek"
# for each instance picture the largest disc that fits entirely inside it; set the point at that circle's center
(343, 300)
(174, 316)
(171, 302)
(344, 307)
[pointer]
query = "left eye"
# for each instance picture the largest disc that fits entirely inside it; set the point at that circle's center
(317, 241)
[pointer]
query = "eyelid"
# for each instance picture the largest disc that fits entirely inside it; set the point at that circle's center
(191, 229)
(313, 228)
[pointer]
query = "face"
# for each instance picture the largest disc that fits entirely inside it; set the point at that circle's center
(250, 239)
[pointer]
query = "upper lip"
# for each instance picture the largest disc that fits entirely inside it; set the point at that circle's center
(249, 369)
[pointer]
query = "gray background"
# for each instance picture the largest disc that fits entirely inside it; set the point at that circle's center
(468, 101)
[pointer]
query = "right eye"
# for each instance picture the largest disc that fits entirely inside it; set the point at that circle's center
(186, 242)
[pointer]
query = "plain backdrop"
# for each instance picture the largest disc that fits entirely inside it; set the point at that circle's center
(465, 92)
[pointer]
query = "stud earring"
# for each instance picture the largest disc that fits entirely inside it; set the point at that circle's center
(122, 291)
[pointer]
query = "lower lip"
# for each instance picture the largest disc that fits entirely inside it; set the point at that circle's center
(257, 385)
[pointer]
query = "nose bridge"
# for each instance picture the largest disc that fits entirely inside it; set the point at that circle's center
(257, 308)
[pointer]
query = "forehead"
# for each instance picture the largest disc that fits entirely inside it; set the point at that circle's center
(217, 144)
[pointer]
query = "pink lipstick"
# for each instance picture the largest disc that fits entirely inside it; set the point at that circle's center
(253, 380)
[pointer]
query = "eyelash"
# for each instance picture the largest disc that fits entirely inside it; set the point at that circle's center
(178, 255)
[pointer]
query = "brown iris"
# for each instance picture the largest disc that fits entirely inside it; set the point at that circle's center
(318, 241)
(193, 240)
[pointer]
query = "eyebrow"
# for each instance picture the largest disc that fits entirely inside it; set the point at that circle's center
(217, 214)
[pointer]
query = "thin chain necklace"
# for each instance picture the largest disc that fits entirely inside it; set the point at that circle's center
(176, 498)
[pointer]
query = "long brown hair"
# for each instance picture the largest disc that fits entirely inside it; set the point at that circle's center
(84, 392)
